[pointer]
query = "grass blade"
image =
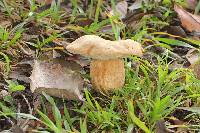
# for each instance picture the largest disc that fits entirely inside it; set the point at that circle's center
(136, 120)
(173, 42)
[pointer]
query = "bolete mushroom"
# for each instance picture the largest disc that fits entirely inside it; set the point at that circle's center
(107, 66)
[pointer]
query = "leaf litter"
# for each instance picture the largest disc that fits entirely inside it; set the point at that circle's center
(189, 21)
(59, 70)
(57, 78)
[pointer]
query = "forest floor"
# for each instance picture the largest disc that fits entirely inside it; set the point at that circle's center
(45, 88)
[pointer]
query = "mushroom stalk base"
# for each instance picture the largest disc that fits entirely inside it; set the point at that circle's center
(107, 74)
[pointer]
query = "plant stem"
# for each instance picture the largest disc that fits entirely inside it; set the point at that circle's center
(91, 8)
(197, 8)
(97, 11)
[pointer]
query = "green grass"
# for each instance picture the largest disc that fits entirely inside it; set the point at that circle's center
(8, 39)
(153, 98)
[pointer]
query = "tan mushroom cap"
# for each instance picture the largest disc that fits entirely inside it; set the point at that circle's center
(98, 48)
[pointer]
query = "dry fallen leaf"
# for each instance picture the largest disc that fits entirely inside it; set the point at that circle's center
(121, 9)
(58, 78)
(82, 61)
(196, 68)
(161, 127)
(176, 30)
(189, 21)
(3, 93)
(193, 56)
(16, 129)
(179, 125)
(136, 5)
(134, 20)
(28, 37)
(21, 71)
(4, 22)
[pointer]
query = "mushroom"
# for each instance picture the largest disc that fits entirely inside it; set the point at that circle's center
(107, 70)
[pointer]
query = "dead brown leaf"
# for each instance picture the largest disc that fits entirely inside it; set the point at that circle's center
(79, 60)
(28, 37)
(4, 22)
(133, 20)
(21, 71)
(121, 9)
(160, 127)
(189, 21)
(176, 30)
(3, 93)
(58, 78)
(196, 68)
(16, 129)
(136, 5)
(193, 56)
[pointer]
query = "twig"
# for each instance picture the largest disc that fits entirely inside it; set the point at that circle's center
(23, 50)
(25, 125)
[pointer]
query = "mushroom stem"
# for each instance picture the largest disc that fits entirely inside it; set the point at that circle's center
(107, 74)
